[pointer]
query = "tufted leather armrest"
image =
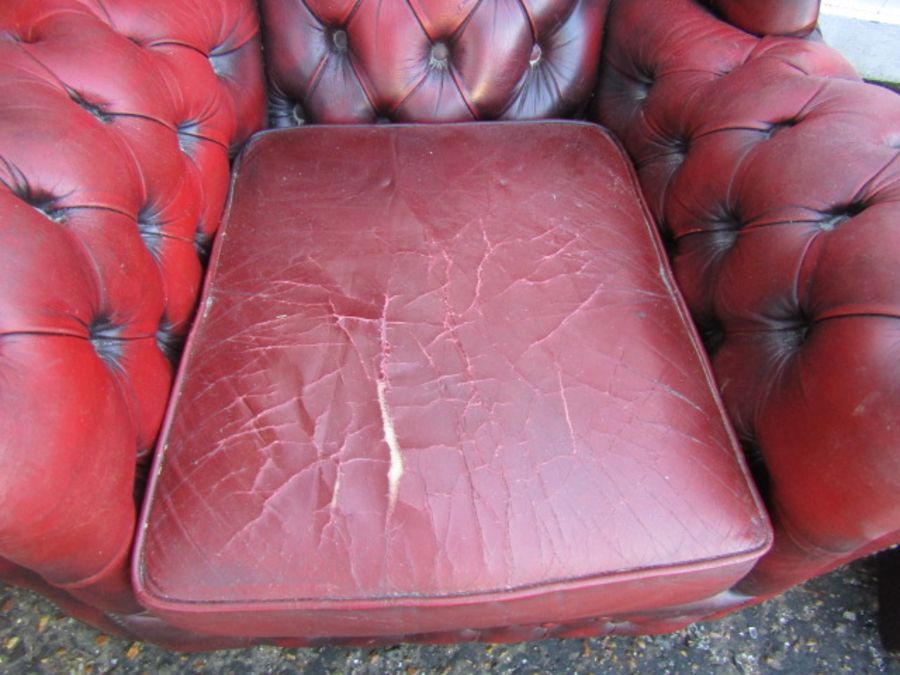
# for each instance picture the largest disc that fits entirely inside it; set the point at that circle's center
(116, 120)
(770, 17)
(775, 175)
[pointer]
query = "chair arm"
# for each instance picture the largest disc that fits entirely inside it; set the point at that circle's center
(774, 175)
(116, 120)
(770, 17)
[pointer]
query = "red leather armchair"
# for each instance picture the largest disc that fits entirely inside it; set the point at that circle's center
(771, 170)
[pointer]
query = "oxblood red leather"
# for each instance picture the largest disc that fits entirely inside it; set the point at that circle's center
(774, 171)
(430, 60)
(771, 170)
(115, 125)
(463, 395)
(770, 17)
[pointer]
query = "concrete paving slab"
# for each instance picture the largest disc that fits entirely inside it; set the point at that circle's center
(867, 33)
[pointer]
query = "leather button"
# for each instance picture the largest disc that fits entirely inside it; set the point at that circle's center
(837, 217)
(440, 54)
(339, 40)
(297, 114)
(490, 46)
(104, 338)
(169, 342)
(94, 109)
(778, 127)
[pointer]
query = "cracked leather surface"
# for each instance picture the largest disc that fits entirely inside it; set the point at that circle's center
(440, 381)
(775, 174)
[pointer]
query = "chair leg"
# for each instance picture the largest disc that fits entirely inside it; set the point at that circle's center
(889, 598)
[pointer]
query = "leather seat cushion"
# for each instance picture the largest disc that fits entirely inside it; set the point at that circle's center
(440, 381)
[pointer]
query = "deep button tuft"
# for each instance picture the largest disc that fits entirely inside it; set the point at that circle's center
(93, 108)
(284, 112)
(150, 227)
(722, 241)
(536, 55)
(777, 127)
(41, 201)
(797, 335)
(297, 114)
(757, 464)
(641, 90)
(840, 215)
(712, 333)
(643, 82)
(831, 222)
(202, 245)
(440, 55)
(218, 63)
(680, 146)
(54, 213)
(168, 342)
(187, 136)
(729, 220)
(339, 40)
(104, 337)
(645, 74)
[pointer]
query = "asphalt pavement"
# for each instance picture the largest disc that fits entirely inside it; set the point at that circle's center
(826, 626)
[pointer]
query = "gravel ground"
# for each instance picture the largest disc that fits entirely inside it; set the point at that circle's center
(826, 626)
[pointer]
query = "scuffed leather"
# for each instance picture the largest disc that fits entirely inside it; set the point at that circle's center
(775, 174)
(116, 120)
(463, 395)
(430, 60)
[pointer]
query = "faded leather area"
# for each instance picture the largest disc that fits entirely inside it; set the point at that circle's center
(440, 380)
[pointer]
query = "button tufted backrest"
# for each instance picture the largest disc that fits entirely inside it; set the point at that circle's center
(774, 173)
(116, 121)
(429, 60)
(770, 17)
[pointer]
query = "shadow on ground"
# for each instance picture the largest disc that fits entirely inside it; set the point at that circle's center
(826, 626)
